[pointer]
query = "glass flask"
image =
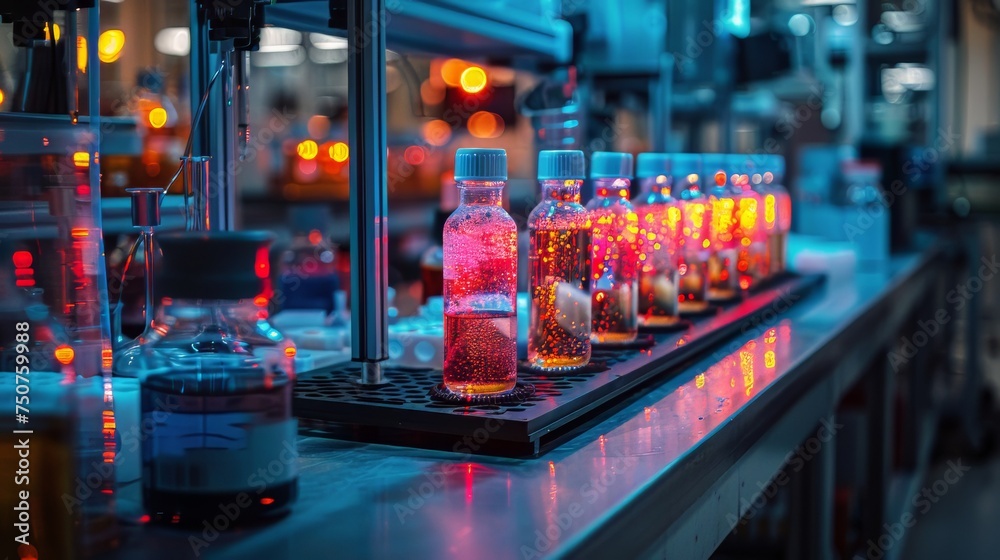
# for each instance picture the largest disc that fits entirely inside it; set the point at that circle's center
(777, 237)
(215, 384)
(480, 279)
(614, 252)
(659, 228)
(693, 245)
(749, 233)
(723, 280)
(559, 231)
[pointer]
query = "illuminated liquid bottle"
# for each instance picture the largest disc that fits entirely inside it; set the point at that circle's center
(659, 228)
(749, 232)
(559, 231)
(723, 280)
(693, 243)
(480, 279)
(614, 252)
(777, 238)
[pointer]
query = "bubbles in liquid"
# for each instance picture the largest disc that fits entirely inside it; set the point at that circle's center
(559, 328)
(480, 352)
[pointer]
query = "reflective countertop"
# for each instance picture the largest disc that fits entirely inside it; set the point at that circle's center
(375, 501)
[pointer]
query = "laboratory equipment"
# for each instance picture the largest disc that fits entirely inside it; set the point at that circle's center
(614, 253)
(773, 177)
(559, 329)
(480, 279)
(693, 241)
(660, 221)
(215, 383)
(723, 281)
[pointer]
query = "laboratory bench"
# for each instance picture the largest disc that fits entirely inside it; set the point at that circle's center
(665, 473)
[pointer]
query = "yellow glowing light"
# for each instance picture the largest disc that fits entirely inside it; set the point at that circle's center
(1, 96)
(110, 45)
(436, 132)
(769, 204)
(451, 71)
(339, 152)
(769, 359)
(473, 79)
(57, 32)
(81, 159)
(699, 380)
(158, 117)
(81, 53)
(65, 354)
(307, 149)
(79, 232)
(290, 352)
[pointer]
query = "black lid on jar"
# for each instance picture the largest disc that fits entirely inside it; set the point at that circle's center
(213, 264)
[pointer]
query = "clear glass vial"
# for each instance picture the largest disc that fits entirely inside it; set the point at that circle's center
(660, 219)
(480, 279)
(614, 256)
(559, 231)
(693, 242)
(723, 280)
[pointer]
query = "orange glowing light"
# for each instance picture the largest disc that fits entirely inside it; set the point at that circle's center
(339, 152)
(106, 357)
(473, 79)
(414, 155)
(110, 45)
(266, 501)
(315, 237)
(65, 354)
(290, 352)
(485, 125)
(451, 71)
(436, 132)
(79, 232)
(81, 159)
(57, 32)
(430, 93)
(1, 96)
(23, 259)
(158, 117)
(318, 127)
(552, 468)
(260, 301)
(307, 149)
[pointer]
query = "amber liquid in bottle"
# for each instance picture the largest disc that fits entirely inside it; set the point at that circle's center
(559, 327)
(614, 261)
(659, 228)
(482, 352)
(693, 251)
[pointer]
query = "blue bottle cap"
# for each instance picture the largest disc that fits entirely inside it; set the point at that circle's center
(652, 165)
(776, 165)
(610, 165)
(480, 164)
(561, 164)
(685, 164)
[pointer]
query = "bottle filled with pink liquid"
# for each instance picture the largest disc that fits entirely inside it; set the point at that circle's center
(480, 279)
(614, 255)
(723, 278)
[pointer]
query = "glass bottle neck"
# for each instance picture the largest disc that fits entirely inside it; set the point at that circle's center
(561, 190)
(611, 188)
(482, 193)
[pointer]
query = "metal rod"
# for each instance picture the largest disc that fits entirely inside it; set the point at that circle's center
(368, 205)
(148, 311)
(197, 177)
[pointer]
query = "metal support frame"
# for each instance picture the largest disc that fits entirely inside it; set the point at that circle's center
(368, 204)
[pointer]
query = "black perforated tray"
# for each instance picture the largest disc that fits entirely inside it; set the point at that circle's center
(329, 401)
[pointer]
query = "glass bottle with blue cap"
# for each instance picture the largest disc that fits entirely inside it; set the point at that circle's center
(692, 243)
(559, 231)
(659, 228)
(614, 255)
(723, 279)
(480, 279)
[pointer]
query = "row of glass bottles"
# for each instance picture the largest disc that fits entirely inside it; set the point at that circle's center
(597, 272)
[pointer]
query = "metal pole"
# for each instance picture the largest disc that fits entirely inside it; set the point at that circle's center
(369, 232)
